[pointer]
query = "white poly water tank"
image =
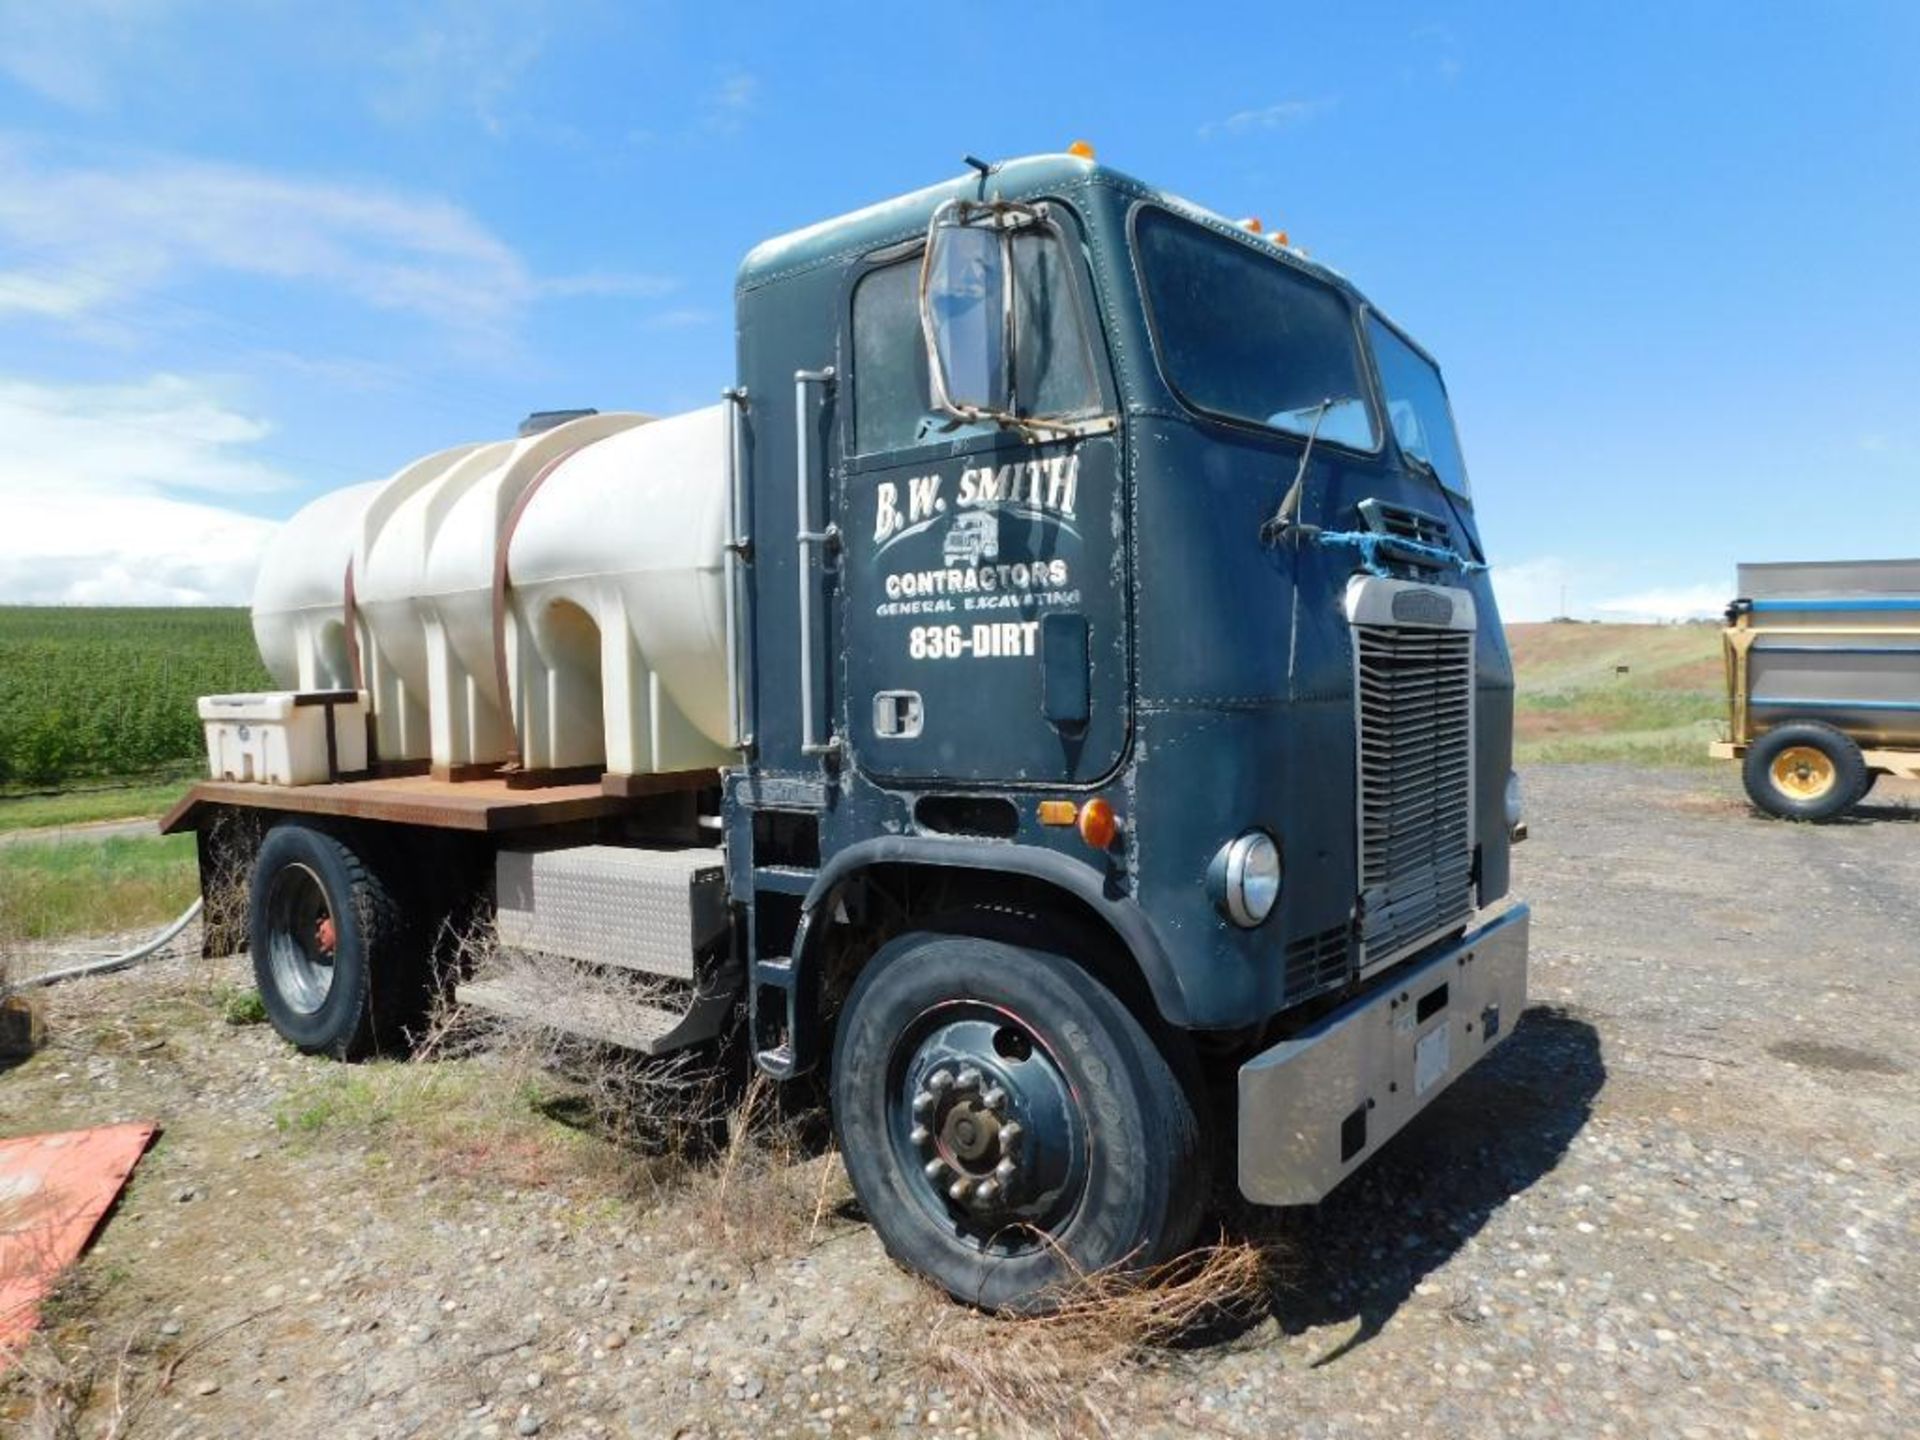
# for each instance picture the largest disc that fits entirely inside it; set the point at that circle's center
(607, 607)
(299, 611)
(618, 605)
(423, 587)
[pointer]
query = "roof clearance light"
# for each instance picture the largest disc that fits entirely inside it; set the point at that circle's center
(1080, 150)
(1098, 826)
(1280, 238)
(1252, 222)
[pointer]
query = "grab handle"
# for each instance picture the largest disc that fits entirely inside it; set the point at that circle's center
(810, 539)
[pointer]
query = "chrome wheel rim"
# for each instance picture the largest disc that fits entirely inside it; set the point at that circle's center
(302, 938)
(986, 1127)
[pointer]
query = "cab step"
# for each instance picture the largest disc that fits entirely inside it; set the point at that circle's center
(628, 1023)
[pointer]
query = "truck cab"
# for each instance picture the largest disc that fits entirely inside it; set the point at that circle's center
(1235, 600)
(1114, 771)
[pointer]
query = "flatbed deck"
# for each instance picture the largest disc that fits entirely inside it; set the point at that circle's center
(486, 806)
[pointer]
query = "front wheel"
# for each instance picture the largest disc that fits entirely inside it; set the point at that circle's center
(1805, 770)
(1008, 1124)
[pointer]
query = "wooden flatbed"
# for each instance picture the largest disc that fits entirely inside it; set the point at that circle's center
(485, 806)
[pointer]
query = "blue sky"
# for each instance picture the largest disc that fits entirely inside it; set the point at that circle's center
(249, 252)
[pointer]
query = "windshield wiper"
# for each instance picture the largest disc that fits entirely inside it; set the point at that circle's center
(1283, 518)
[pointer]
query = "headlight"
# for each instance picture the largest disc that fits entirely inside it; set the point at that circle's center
(1245, 878)
(1516, 808)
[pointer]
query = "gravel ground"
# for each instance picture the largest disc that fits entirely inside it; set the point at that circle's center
(1678, 1202)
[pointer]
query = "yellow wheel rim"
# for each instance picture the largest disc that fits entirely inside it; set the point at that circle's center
(1803, 772)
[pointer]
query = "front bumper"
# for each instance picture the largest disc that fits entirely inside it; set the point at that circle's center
(1315, 1107)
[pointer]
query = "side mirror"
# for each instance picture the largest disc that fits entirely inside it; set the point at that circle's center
(966, 311)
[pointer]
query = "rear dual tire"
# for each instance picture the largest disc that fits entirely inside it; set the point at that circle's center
(332, 948)
(1805, 770)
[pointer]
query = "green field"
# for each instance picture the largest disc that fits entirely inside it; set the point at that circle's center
(92, 695)
(1644, 694)
(50, 888)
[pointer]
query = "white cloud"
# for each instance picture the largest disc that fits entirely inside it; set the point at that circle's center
(1537, 589)
(1672, 602)
(731, 101)
(98, 485)
(1281, 115)
(1547, 587)
(67, 52)
(462, 56)
(90, 239)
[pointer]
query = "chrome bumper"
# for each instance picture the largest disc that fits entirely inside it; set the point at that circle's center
(1313, 1108)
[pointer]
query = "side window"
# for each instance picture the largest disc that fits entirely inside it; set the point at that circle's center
(1053, 354)
(1054, 374)
(889, 359)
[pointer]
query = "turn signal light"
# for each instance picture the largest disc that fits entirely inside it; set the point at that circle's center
(1098, 825)
(1080, 150)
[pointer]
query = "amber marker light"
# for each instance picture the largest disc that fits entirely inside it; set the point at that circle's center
(1080, 150)
(1058, 812)
(1098, 824)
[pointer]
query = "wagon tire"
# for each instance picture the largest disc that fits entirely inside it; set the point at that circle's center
(332, 952)
(1008, 1124)
(1805, 770)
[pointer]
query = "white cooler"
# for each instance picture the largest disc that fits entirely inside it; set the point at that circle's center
(286, 737)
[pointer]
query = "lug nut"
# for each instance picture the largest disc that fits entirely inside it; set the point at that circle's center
(934, 1169)
(940, 1082)
(923, 1102)
(993, 1097)
(960, 1189)
(920, 1135)
(1003, 1172)
(1010, 1134)
(986, 1194)
(969, 1079)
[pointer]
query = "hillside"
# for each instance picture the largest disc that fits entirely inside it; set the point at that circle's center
(1649, 694)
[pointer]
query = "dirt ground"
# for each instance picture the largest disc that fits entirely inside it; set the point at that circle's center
(1679, 1201)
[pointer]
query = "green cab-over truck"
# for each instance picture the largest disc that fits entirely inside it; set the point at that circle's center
(1057, 694)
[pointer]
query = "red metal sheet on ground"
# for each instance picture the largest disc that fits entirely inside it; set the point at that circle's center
(54, 1189)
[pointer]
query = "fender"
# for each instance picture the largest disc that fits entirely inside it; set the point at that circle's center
(1121, 913)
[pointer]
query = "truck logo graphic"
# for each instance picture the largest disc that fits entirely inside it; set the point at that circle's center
(974, 537)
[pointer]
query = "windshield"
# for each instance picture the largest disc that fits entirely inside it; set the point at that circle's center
(1247, 336)
(1417, 406)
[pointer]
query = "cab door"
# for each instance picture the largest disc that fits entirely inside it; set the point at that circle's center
(984, 608)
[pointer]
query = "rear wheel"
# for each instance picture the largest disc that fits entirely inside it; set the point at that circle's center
(330, 953)
(1007, 1123)
(1805, 770)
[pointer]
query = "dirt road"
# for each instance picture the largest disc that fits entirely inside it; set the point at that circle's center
(1679, 1202)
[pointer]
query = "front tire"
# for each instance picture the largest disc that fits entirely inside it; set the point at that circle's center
(1805, 770)
(1008, 1124)
(329, 942)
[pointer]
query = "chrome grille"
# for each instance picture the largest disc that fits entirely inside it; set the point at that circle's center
(1316, 963)
(1414, 694)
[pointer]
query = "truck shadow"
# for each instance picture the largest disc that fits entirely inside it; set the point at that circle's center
(1361, 1252)
(1865, 814)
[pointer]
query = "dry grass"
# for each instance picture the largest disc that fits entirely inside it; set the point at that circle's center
(1069, 1373)
(721, 1151)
